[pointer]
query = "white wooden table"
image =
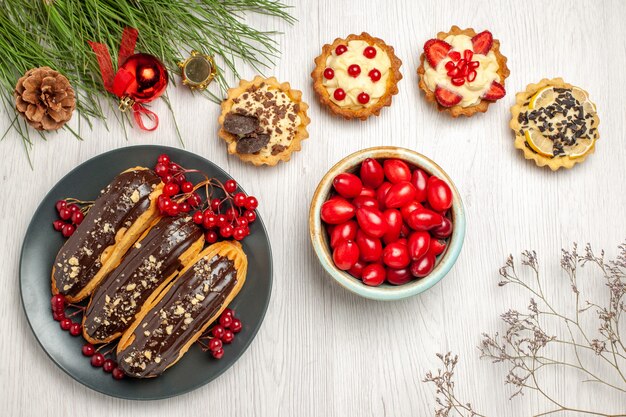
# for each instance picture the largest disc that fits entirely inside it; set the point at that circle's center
(321, 350)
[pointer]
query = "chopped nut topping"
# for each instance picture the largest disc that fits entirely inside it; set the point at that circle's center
(134, 197)
(169, 329)
(72, 261)
(179, 310)
(148, 354)
(188, 320)
(130, 287)
(146, 333)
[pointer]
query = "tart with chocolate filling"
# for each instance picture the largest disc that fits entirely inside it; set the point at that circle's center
(357, 76)
(555, 124)
(172, 322)
(462, 72)
(263, 121)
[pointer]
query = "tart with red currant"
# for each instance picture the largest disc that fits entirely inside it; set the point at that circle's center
(357, 76)
(463, 71)
(555, 124)
(263, 121)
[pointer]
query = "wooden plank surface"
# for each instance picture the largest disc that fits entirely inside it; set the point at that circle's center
(321, 350)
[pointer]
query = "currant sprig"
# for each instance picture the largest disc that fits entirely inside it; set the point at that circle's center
(71, 213)
(220, 334)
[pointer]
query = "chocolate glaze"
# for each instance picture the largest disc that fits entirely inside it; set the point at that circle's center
(144, 268)
(119, 205)
(187, 306)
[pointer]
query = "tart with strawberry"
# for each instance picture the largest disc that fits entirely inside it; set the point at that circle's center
(555, 124)
(357, 76)
(263, 121)
(463, 71)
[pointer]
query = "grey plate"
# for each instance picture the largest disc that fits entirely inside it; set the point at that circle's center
(42, 243)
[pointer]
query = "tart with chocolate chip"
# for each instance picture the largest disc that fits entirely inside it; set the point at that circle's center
(555, 123)
(462, 72)
(357, 76)
(263, 121)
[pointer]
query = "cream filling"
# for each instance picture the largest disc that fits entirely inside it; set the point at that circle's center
(282, 130)
(471, 92)
(353, 86)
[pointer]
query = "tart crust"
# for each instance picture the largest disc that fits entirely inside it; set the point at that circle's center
(521, 100)
(365, 112)
(457, 110)
(300, 134)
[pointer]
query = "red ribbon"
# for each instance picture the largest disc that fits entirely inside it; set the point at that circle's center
(117, 82)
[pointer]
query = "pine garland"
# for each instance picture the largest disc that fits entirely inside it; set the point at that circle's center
(54, 33)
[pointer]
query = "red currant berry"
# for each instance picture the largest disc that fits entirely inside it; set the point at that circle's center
(194, 200)
(118, 373)
(339, 94)
(88, 349)
(179, 179)
(164, 203)
(369, 52)
(232, 214)
(58, 315)
(247, 230)
(210, 236)
(209, 220)
(161, 169)
(226, 231)
(78, 217)
(241, 222)
(221, 220)
(65, 213)
(228, 312)
(363, 98)
(236, 326)
(58, 225)
(66, 324)
(167, 178)
(184, 207)
(239, 199)
(218, 331)
(250, 216)
(226, 321)
(164, 159)
(60, 204)
(215, 204)
(228, 336)
(215, 344)
(170, 189)
(76, 329)
(217, 354)
(73, 208)
(108, 365)
(68, 230)
(57, 300)
(252, 203)
(175, 168)
(186, 187)
(239, 233)
(97, 360)
(198, 217)
(329, 73)
(230, 186)
(173, 210)
(354, 70)
(374, 75)
(341, 49)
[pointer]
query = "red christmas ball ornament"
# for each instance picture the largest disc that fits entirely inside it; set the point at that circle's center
(142, 78)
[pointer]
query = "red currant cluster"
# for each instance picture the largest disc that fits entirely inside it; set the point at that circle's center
(221, 333)
(461, 69)
(70, 215)
(225, 217)
(59, 304)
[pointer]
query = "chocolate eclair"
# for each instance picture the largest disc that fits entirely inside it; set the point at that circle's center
(175, 319)
(122, 212)
(168, 246)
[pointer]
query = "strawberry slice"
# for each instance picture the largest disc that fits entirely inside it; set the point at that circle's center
(436, 50)
(446, 97)
(482, 42)
(496, 91)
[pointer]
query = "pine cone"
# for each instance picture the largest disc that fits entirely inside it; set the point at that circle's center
(45, 98)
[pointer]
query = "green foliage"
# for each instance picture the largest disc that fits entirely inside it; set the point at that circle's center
(37, 33)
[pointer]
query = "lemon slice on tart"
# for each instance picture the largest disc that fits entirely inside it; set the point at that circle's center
(580, 149)
(539, 143)
(547, 95)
